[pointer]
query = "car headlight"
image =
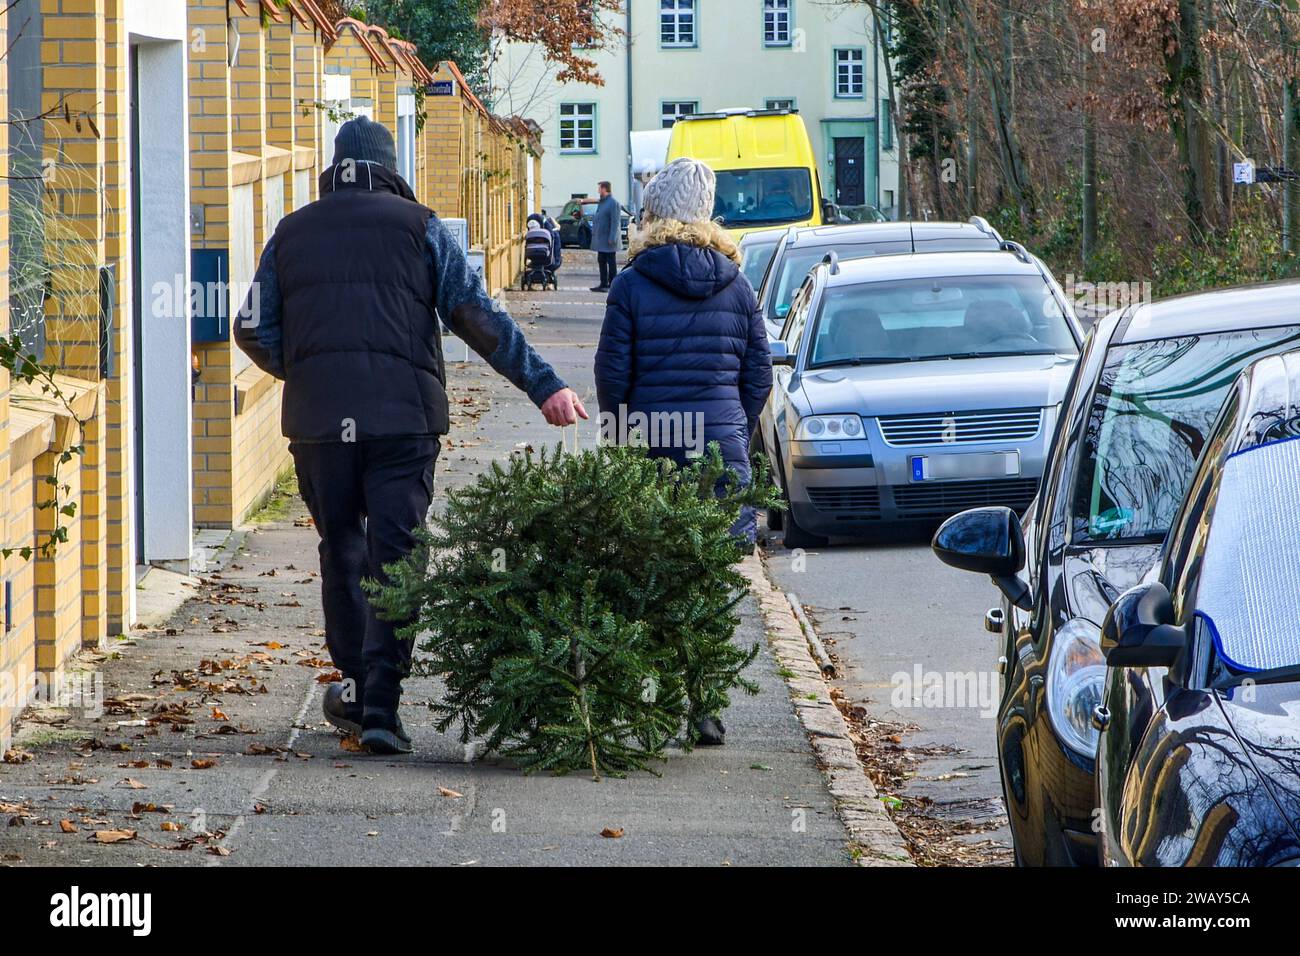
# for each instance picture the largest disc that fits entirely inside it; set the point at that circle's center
(829, 428)
(1076, 675)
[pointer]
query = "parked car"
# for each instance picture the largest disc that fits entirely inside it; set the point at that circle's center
(1135, 417)
(800, 249)
(756, 250)
(575, 222)
(913, 386)
(1200, 724)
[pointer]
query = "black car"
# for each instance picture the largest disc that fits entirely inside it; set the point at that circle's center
(1199, 760)
(800, 249)
(1134, 420)
(575, 222)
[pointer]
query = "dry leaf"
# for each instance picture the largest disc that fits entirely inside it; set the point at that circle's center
(612, 833)
(114, 836)
(67, 826)
(170, 827)
(202, 763)
(444, 792)
(131, 784)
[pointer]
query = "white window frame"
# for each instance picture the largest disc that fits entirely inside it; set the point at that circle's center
(778, 16)
(677, 111)
(571, 117)
(678, 24)
(850, 72)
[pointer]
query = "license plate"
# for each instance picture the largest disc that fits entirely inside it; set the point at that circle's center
(1002, 464)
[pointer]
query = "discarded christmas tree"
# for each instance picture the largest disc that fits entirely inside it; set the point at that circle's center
(580, 608)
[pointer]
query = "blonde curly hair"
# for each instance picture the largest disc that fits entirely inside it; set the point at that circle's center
(662, 232)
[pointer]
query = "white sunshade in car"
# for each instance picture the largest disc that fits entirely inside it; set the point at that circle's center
(1250, 579)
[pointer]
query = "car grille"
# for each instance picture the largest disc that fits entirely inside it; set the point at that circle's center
(941, 499)
(1016, 424)
(859, 501)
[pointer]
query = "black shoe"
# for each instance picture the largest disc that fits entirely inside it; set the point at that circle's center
(344, 715)
(600, 288)
(383, 733)
(711, 731)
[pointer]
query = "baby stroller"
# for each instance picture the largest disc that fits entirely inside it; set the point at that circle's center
(541, 255)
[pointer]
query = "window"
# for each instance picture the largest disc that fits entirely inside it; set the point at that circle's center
(886, 126)
(1154, 404)
(762, 197)
(673, 111)
(578, 127)
(848, 73)
(776, 22)
(677, 23)
(779, 104)
(954, 317)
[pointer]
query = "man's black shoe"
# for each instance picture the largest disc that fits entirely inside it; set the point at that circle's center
(711, 731)
(382, 733)
(600, 288)
(344, 715)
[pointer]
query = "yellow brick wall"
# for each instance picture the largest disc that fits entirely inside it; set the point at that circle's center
(266, 102)
(58, 575)
(18, 646)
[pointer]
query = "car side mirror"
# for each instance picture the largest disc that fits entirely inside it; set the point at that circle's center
(781, 354)
(987, 541)
(1140, 629)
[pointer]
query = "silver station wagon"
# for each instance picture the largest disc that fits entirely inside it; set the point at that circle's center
(911, 387)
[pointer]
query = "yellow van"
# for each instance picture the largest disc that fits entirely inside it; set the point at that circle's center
(767, 173)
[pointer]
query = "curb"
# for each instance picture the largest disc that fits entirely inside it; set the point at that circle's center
(857, 802)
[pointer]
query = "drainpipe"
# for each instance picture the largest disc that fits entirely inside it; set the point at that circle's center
(628, 139)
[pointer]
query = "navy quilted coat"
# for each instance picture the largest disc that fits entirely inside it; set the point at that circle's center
(682, 334)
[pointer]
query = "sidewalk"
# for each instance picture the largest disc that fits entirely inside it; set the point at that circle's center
(233, 744)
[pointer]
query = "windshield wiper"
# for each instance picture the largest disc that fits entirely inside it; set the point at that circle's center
(1278, 675)
(871, 360)
(1001, 354)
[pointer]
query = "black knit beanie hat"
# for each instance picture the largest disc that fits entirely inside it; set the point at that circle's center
(364, 141)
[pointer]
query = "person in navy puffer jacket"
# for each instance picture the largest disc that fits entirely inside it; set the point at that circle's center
(683, 348)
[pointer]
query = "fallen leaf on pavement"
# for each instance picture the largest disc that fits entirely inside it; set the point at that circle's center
(443, 791)
(132, 784)
(202, 763)
(67, 826)
(114, 836)
(612, 833)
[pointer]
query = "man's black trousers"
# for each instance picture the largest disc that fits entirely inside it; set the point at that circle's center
(608, 262)
(366, 498)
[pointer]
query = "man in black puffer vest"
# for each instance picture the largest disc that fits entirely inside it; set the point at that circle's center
(345, 307)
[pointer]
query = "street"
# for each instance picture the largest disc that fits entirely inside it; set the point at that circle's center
(887, 609)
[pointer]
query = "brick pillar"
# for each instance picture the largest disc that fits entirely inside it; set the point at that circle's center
(281, 95)
(211, 140)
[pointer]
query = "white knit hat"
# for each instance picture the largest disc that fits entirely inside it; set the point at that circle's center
(682, 190)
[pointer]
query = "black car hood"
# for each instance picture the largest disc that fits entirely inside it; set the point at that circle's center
(1266, 720)
(1096, 576)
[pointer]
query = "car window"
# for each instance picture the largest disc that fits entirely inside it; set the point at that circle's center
(1249, 588)
(754, 260)
(941, 317)
(1187, 536)
(798, 320)
(796, 263)
(762, 197)
(1151, 410)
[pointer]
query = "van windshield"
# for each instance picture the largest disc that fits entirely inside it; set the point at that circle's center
(763, 197)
